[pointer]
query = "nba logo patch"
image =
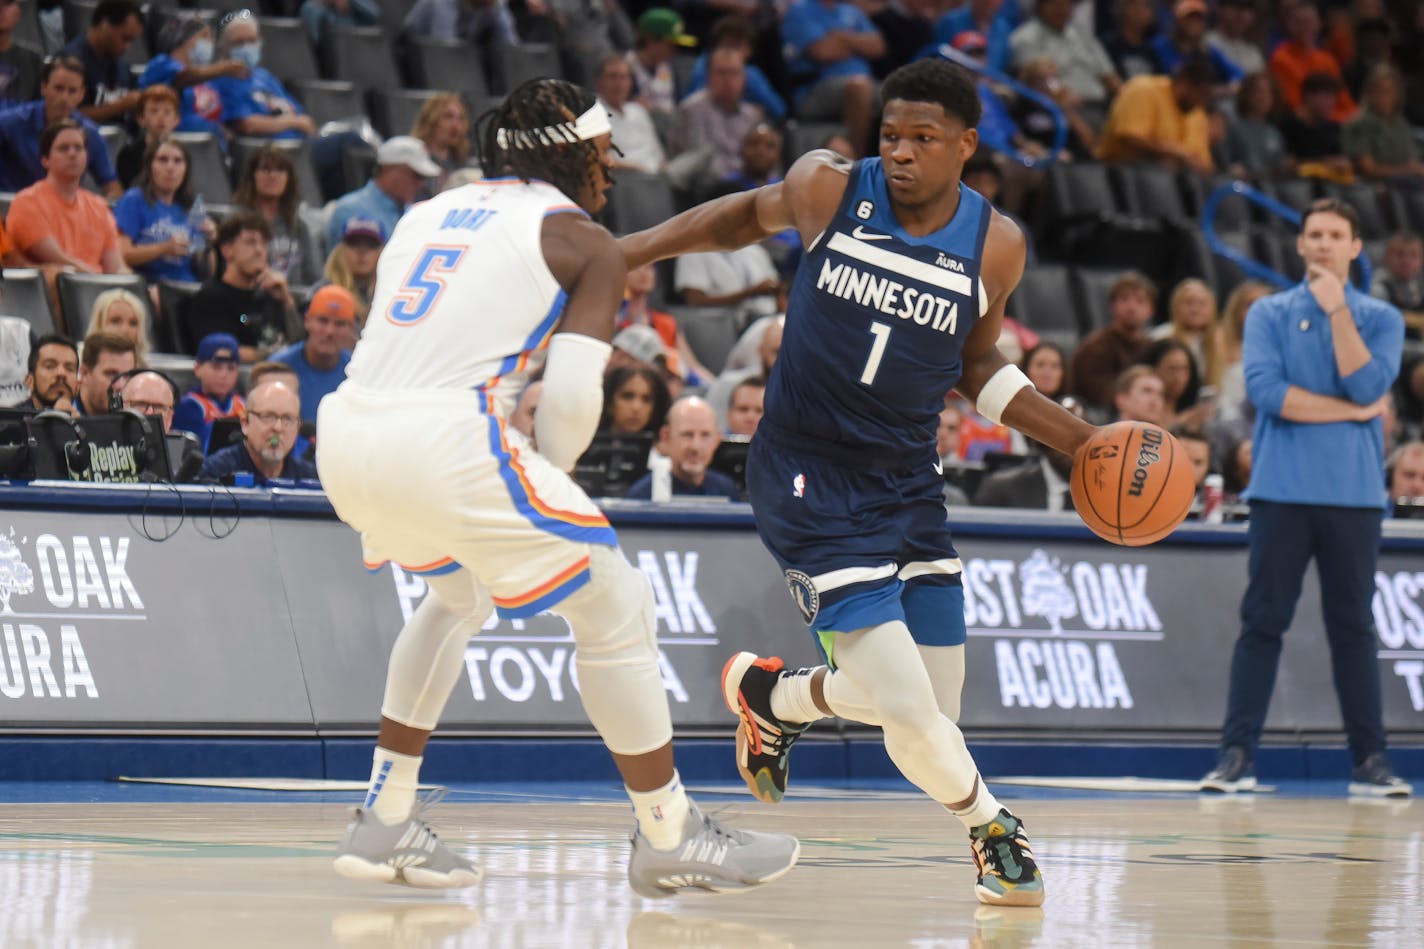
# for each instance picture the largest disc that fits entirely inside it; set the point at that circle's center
(803, 591)
(798, 486)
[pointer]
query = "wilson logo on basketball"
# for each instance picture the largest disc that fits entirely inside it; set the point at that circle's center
(1147, 455)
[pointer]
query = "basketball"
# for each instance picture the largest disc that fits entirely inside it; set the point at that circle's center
(1132, 483)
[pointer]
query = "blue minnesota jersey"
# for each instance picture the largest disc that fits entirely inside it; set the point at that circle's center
(875, 327)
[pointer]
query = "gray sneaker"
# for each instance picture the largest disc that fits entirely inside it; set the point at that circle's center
(710, 857)
(1234, 771)
(1373, 777)
(408, 852)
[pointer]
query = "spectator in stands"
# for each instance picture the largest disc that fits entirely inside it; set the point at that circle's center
(1300, 56)
(402, 168)
(994, 19)
(1374, 47)
(58, 224)
(485, 23)
(250, 300)
(150, 392)
(1040, 482)
(320, 17)
(1192, 321)
(1406, 474)
(1182, 403)
(1401, 279)
(351, 264)
(588, 30)
(744, 409)
(744, 281)
(1231, 388)
(738, 33)
(269, 187)
(1084, 65)
(1046, 366)
(1040, 124)
(1163, 119)
(1198, 452)
(1103, 355)
(443, 127)
(637, 346)
(1254, 147)
(717, 116)
(157, 119)
(1313, 136)
(635, 400)
(155, 234)
(689, 439)
(633, 127)
(215, 395)
(16, 337)
(660, 33)
(118, 312)
(20, 65)
(767, 333)
(104, 358)
(269, 433)
(320, 360)
(760, 159)
(185, 63)
(1130, 46)
(1235, 23)
(53, 377)
(829, 46)
(109, 95)
(256, 104)
(1378, 139)
(22, 127)
(1187, 37)
(1139, 395)
(636, 311)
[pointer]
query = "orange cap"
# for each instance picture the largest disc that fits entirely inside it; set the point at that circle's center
(333, 301)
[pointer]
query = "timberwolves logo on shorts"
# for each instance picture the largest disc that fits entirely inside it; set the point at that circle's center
(803, 591)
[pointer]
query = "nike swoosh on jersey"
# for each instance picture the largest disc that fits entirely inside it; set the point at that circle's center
(939, 469)
(860, 234)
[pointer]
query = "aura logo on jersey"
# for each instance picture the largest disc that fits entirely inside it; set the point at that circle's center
(524, 660)
(80, 579)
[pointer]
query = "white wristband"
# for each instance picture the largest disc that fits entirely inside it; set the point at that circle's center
(1001, 387)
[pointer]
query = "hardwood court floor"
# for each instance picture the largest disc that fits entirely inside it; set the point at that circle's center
(877, 869)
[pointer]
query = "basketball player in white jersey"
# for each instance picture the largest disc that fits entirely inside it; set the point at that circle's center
(476, 289)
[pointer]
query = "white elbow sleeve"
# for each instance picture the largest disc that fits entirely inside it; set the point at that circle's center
(573, 397)
(999, 390)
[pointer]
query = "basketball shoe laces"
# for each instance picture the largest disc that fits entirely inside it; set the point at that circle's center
(1007, 856)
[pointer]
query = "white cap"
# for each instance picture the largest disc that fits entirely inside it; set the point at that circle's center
(408, 151)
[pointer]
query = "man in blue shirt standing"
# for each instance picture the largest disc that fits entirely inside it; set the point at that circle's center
(1319, 360)
(320, 360)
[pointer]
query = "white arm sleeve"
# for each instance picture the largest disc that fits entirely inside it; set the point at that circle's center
(572, 401)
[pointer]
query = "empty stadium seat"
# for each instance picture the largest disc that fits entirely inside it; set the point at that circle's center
(1364, 198)
(638, 200)
(802, 137)
(1149, 190)
(393, 111)
(1296, 192)
(711, 332)
(78, 291)
(362, 56)
(330, 100)
(27, 298)
(168, 334)
(207, 166)
(442, 64)
(516, 65)
(1077, 188)
(1092, 286)
(1043, 301)
(286, 53)
(27, 31)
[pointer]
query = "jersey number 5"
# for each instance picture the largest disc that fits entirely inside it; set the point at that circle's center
(881, 332)
(423, 285)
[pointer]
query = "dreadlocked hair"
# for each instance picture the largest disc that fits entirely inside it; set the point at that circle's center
(531, 109)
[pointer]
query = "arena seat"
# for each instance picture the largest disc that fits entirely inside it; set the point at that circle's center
(26, 297)
(1044, 302)
(393, 111)
(442, 64)
(1091, 287)
(207, 171)
(286, 52)
(78, 291)
(362, 56)
(1150, 191)
(516, 65)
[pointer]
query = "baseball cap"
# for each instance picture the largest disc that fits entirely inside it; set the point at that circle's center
(970, 41)
(409, 151)
(333, 301)
(366, 227)
(217, 346)
(641, 342)
(663, 24)
(1188, 7)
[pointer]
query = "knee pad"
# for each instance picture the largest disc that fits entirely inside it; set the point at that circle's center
(612, 615)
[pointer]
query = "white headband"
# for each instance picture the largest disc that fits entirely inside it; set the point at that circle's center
(590, 125)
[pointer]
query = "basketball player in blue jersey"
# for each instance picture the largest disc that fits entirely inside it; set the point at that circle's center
(899, 299)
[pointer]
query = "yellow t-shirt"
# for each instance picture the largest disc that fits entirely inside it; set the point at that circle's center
(1144, 107)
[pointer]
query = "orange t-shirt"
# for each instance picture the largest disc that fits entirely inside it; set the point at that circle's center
(84, 227)
(1290, 64)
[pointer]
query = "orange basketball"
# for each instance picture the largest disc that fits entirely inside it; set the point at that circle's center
(1132, 483)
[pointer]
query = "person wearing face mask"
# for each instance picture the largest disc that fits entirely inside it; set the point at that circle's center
(187, 65)
(256, 104)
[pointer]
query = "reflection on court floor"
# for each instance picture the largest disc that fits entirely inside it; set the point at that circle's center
(882, 869)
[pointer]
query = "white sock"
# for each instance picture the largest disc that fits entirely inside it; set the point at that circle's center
(662, 814)
(394, 780)
(791, 699)
(981, 810)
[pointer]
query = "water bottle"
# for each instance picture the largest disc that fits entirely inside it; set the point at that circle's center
(197, 226)
(661, 467)
(1213, 496)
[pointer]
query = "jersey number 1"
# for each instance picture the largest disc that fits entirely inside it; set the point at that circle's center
(881, 332)
(423, 285)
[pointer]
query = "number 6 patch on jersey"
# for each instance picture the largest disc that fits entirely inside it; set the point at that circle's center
(423, 286)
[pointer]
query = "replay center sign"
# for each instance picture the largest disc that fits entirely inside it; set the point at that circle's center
(277, 628)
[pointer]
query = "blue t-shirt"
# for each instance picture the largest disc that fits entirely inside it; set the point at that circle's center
(367, 201)
(259, 94)
(958, 20)
(201, 109)
(1168, 57)
(809, 21)
(145, 223)
(20, 131)
(715, 485)
(315, 384)
(758, 91)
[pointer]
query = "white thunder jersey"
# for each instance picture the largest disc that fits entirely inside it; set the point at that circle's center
(464, 299)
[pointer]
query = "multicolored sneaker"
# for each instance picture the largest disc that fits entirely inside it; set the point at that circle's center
(763, 740)
(1008, 875)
